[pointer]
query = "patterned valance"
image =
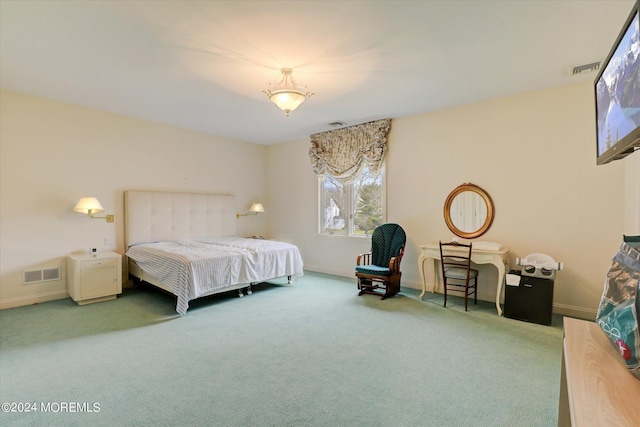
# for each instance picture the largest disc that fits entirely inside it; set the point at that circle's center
(343, 153)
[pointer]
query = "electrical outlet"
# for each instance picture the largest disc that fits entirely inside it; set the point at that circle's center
(109, 241)
(110, 218)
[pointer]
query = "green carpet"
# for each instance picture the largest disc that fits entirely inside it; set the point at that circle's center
(308, 354)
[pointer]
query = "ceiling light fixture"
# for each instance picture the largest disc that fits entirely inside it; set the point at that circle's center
(285, 94)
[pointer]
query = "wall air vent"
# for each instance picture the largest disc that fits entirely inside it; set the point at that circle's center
(585, 68)
(42, 275)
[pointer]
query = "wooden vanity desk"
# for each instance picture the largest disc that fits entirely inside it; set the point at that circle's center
(596, 389)
(497, 257)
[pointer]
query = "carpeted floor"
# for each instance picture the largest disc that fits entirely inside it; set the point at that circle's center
(308, 354)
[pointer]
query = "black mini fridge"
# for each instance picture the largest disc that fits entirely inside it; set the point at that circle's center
(531, 300)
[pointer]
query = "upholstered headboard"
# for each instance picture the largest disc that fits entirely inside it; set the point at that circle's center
(152, 216)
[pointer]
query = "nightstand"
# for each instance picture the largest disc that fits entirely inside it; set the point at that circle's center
(94, 278)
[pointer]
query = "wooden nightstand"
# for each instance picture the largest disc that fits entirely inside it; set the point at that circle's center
(94, 278)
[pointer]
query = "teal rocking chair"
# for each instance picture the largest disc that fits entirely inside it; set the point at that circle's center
(378, 272)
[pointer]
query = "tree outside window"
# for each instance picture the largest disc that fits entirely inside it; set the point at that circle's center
(354, 208)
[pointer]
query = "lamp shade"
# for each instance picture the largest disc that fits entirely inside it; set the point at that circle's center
(256, 208)
(88, 205)
(287, 100)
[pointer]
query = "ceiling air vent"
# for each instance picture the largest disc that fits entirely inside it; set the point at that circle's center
(585, 68)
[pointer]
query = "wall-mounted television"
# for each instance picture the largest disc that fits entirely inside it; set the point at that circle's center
(617, 93)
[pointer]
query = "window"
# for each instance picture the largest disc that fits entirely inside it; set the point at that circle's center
(352, 209)
(349, 164)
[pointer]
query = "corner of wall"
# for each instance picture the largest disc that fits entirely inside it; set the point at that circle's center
(632, 195)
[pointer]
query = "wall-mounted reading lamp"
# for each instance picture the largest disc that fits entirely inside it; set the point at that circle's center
(91, 206)
(255, 209)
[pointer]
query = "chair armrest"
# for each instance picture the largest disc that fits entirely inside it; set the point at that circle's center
(394, 263)
(364, 259)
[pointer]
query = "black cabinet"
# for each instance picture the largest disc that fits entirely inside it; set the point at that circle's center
(531, 301)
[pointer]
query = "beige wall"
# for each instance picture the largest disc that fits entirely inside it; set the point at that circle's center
(52, 154)
(632, 195)
(534, 153)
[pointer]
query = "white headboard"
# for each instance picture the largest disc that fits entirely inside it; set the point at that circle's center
(152, 216)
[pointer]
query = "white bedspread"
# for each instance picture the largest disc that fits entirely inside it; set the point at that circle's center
(196, 267)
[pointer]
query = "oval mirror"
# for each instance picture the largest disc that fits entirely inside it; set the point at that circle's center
(468, 211)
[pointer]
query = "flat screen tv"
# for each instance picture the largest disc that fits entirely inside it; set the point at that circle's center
(617, 93)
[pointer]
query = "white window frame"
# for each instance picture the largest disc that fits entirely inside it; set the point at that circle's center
(349, 230)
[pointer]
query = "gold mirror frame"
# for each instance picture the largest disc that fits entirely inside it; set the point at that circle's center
(488, 202)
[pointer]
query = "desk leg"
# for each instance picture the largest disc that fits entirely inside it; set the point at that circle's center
(501, 272)
(435, 276)
(421, 260)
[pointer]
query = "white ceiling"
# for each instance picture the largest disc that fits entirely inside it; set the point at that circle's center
(203, 65)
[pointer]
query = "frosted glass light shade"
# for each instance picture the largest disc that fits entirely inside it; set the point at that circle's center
(88, 205)
(287, 100)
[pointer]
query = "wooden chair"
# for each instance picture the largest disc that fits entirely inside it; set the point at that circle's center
(455, 259)
(380, 268)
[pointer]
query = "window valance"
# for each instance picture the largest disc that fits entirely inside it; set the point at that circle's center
(343, 153)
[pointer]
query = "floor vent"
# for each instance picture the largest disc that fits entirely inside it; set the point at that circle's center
(41, 275)
(586, 68)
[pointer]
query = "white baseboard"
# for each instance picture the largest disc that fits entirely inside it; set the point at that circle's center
(32, 299)
(562, 309)
(347, 274)
(351, 274)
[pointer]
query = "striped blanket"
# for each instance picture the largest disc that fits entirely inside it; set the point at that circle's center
(197, 267)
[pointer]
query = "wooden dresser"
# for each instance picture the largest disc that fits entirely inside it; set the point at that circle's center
(596, 389)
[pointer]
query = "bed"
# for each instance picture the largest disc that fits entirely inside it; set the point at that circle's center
(185, 243)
